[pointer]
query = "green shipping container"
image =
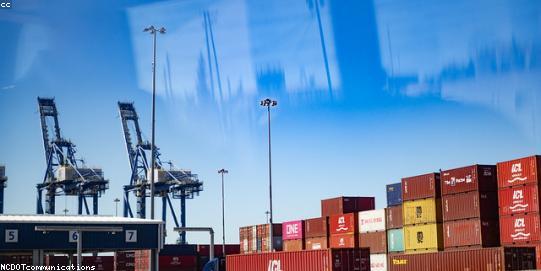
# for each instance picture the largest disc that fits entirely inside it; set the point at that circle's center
(395, 240)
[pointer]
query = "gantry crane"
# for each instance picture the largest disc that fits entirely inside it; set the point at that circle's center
(170, 182)
(63, 174)
(3, 180)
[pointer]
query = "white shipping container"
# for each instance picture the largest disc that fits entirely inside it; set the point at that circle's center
(371, 221)
(378, 262)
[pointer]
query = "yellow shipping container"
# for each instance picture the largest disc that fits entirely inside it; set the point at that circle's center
(423, 238)
(421, 211)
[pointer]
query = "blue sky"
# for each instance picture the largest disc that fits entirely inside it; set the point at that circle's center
(415, 86)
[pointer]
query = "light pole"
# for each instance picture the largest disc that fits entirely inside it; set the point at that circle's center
(223, 171)
(153, 31)
(116, 206)
(270, 103)
(267, 214)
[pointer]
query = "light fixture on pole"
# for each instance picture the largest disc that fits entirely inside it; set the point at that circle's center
(116, 206)
(270, 103)
(153, 31)
(223, 171)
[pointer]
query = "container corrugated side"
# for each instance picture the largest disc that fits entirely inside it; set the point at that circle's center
(376, 241)
(314, 243)
(423, 238)
(519, 199)
(422, 211)
(471, 204)
(395, 240)
(519, 171)
(471, 232)
(470, 178)
(293, 245)
(378, 262)
(346, 223)
(394, 194)
(308, 260)
(316, 227)
(373, 220)
(420, 187)
(347, 240)
(485, 259)
(394, 219)
(344, 205)
(520, 229)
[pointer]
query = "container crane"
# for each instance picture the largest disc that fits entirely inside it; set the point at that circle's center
(63, 174)
(169, 182)
(3, 180)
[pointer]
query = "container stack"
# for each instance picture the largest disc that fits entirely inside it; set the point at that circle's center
(422, 213)
(469, 197)
(124, 261)
(343, 219)
(372, 235)
(394, 220)
(316, 231)
(293, 235)
(518, 194)
(254, 239)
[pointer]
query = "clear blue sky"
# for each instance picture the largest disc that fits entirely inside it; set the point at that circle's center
(415, 86)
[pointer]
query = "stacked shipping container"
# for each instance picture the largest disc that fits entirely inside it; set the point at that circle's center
(343, 219)
(372, 235)
(469, 195)
(518, 189)
(293, 235)
(421, 210)
(316, 231)
(255, 238)
(394, 220)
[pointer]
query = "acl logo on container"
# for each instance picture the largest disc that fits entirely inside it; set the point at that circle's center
(516, 168)
(5, 4)
(274, 265)
(342, 224)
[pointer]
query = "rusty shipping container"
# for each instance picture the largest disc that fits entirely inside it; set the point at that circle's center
(346, 223)
(519, 171)
(471, 232)
(293, 245)
(485, 259)
(314, 243)
(308, 260)
(471, 178)
(520, 229)
(420, 187)
(345, 205)
(347, 240)
(471, 204)
(316, 227)
(422, 211)
(519, 199)
(393, 217)
(376, 241)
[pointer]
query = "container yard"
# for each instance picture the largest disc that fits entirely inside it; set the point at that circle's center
(282, 135)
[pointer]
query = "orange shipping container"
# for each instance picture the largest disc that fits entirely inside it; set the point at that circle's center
(314, 243)
(293, 245)
(519, 171)
(348, 240)
(346, 223)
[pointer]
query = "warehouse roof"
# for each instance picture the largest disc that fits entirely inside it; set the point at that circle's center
(86, 219)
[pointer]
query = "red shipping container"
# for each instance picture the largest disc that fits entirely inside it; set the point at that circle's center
(308, 260)
(471, 232)
(348, 240)
(346, 223)
(316, 227)
(519, 199)
(394, 217)
(471, 178)
(420, 187)
(519, 171)
(484, 259)
(375, 241)
(315, 243)
(177, 262)
(344, 205)
(520, 229)
(470, 205)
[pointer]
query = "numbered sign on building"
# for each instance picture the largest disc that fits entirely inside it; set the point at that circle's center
(12, 236)
(73, 236)
(131, 236)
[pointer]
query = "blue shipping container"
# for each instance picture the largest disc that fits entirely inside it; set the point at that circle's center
(395, 240)
(394, 194)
